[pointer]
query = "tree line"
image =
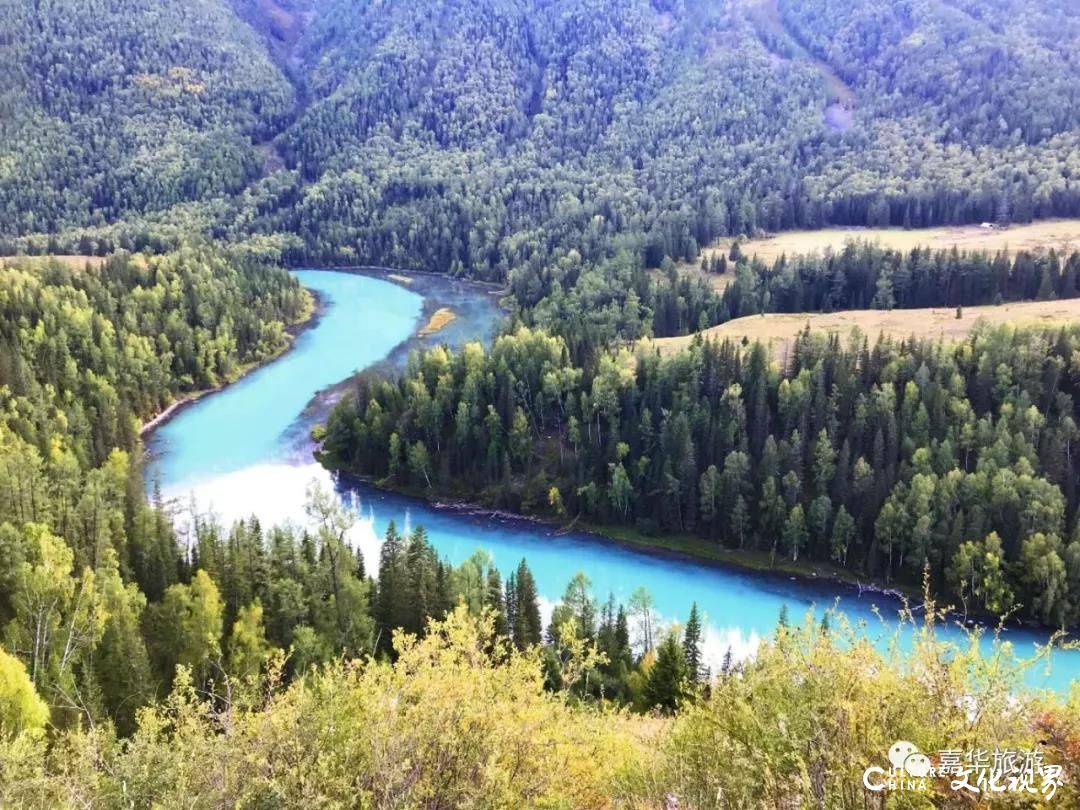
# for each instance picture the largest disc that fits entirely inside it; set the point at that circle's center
(866, 276)
(100, 638)
(888, 458)
(470, 141)
(618, 301)
(88, 353)
(477, 723)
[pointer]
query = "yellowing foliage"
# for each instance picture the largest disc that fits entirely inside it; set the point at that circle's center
(800, 723)
(460, 720)
(20, 707)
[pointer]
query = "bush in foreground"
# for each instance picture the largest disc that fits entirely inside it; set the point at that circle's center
(461, 720)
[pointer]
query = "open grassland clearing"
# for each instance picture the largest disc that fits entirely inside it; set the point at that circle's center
(1059, 234)
(779, 330)
(718, 281)
(74, 262)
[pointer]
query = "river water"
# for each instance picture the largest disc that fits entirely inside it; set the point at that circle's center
(246, 451)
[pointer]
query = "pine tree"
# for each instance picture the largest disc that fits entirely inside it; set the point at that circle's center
(622, 634)
(510, 600)
(494, 600)
(669, 679)
(392, 601)
(360, 571)
(782, 621)
(120, 662)
(528, 629)
(444, 600)
(421, 562)
(692, 643)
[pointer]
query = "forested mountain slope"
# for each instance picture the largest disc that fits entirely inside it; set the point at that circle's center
(967, 67)
(566, 147)
(974, 98)
(512, 134)
(113, 108)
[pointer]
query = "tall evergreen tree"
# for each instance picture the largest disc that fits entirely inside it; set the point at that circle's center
(392, 601)
(528, 627)
(692, 644)
(668, 684)
(496, 602)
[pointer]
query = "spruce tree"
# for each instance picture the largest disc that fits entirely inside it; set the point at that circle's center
(692, 643)
(444, 599)
(528, 628)
(359, 570)
(622, 634)
(669, 679)
(392, 598)
(783, 621)
(494, 600)
(510, 600)
(605, 634)
(421, 562)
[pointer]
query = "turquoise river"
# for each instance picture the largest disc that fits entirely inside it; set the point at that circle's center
(246, 451)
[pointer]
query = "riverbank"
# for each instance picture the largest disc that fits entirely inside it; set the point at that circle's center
(396, 274)
(823, 576)
(683, 547)
(455, 312)
(752, 560)
(308, 319)
(475, 311)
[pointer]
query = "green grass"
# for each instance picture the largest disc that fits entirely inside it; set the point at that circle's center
(693, 547)
(749, 560)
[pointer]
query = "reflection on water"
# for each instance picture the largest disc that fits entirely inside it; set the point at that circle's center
(230, 455)
(365, 319)
(738, 608)
(275, 493)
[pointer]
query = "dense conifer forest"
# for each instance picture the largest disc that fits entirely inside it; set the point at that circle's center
(581, 153)
(485, 138)
(130, 649)
(888, 458)
(614, 302)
